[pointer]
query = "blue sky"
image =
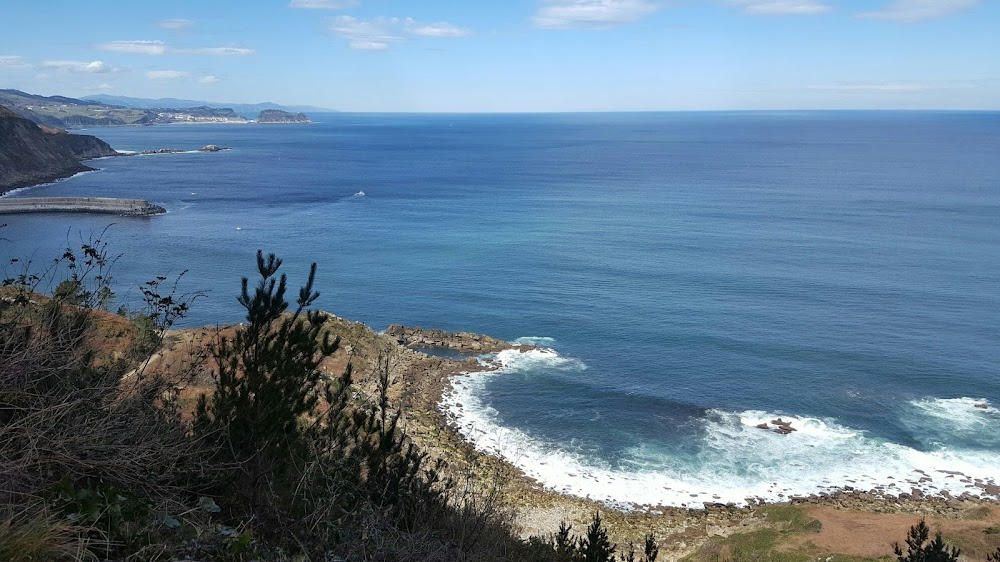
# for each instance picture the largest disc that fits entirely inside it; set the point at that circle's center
(514, 55)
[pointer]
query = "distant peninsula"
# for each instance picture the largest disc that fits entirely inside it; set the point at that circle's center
(68, 113)
(279, 116)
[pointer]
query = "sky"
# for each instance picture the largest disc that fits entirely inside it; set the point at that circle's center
(513, 55)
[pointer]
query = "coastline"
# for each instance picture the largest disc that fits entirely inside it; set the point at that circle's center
(46, 180)
(419, 383)
(8, 192)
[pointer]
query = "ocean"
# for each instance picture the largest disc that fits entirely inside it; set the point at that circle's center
(689, 276)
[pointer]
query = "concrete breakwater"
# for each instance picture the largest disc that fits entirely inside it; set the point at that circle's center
(127, 207)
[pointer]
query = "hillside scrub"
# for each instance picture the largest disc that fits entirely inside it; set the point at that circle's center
(278, 459)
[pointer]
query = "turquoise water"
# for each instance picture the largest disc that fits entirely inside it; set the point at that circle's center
(694, 275)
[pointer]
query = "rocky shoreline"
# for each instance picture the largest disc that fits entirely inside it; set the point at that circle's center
(419, 381)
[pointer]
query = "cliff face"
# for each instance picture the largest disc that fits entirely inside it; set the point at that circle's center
(30, 155)
(279, 116)
(83, 147)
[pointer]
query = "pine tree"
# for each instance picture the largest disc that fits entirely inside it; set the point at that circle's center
(596, 547)
(917, 551)
(267, 378)
(565, 544)
(652, 550)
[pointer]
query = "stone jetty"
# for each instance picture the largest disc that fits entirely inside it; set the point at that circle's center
(126, 207)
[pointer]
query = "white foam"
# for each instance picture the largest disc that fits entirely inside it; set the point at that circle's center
(535, 340)
(968, 413)
(543, 358)
(736, 461)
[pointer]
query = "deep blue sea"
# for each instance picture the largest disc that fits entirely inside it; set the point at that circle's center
(691, 275)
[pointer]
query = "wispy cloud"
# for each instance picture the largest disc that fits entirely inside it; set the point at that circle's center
(440, 29)
(161, 48)
(899, 87)
(781, 7)
(134, 47)
(571, 14)
(13, 61)
(218, 51)
(167, 74)
(102, 87)
(909, 11)
(323, 4)
(175, 24)
(377, 34)
(210, 79)
(94, 67)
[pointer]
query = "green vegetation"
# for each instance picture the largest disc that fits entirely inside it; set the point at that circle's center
(762, 544)
(101, 458)
(920, 549)
(280, 461)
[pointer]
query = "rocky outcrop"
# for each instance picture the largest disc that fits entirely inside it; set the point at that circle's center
(279, 116)
(466, 342)
(213, 148)
(30, 155)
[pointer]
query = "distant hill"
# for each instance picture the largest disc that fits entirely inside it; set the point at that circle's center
(64, 112)
(279, 116)
(248, 110)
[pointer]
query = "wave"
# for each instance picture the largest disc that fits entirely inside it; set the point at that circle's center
(968, 423)
(735, 461)
(535, 340)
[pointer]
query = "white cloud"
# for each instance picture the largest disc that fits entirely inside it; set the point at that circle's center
(175, 24)
(160, 48)
(869, 87)
(102, 87)
(909, 11)
(79, 66)
(134, 47)
(209, 79)
(323, 4)
(377, 34)
(218, 51)
(167, 74)
(781, 7)
(367, 35)
(440, 29)
(570, 14)
(13, 61)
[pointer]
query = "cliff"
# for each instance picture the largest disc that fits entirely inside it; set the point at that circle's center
(31, 155)
(279, 116)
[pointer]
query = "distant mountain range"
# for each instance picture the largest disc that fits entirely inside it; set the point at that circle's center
(248, 110)
(97, 111)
